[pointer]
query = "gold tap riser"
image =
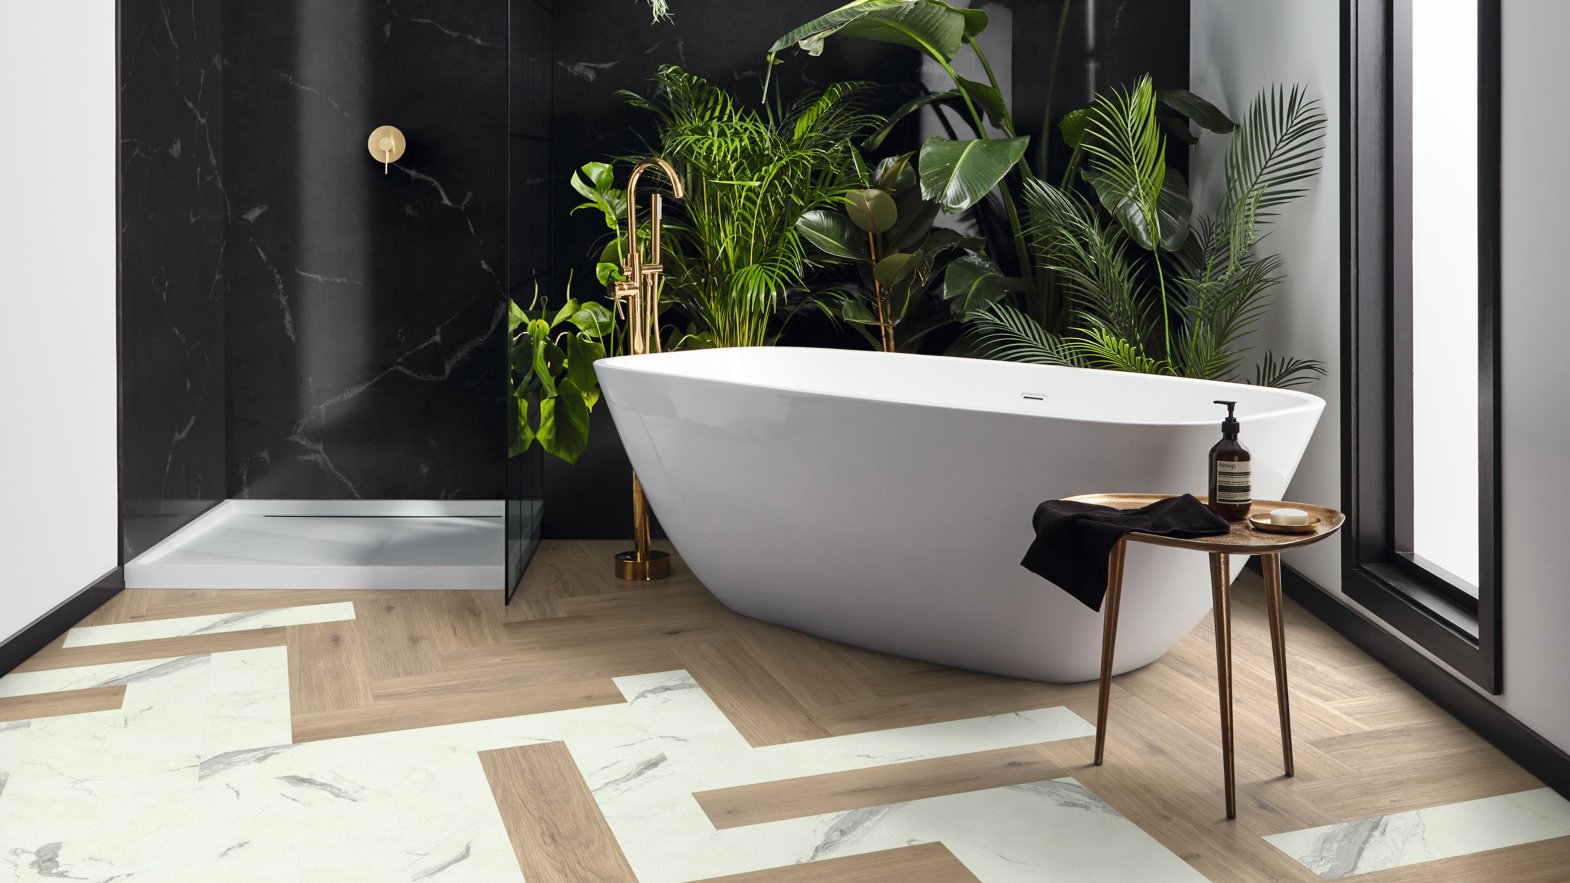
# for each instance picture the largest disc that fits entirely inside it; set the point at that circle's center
(641, 289)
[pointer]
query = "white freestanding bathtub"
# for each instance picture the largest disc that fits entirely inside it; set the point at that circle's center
(884, 500)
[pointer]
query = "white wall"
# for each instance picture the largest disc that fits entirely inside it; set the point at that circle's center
(1536, 406)
(58, 522)
(1238, 46)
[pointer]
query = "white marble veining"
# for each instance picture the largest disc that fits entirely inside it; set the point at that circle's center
(153, 629)
(195, 778)
(1422, 835)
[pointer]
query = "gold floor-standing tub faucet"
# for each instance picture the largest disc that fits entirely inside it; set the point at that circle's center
(640, 288)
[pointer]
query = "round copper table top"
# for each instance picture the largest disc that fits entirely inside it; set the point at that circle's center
(1243, 539)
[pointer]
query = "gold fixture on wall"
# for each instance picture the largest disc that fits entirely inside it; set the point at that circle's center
(640, 288)
(386, 145)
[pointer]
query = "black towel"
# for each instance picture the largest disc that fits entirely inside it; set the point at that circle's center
(1074, 539)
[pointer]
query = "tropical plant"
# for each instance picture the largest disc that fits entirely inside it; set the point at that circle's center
(885, 229)
(964, 173)
(733, 253)
(1211, 288)
(552, 356)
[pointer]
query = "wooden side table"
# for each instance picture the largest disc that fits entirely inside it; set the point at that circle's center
(1243, 539)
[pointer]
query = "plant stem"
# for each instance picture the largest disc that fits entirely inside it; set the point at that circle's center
(1166, 316)
(1052, 80)
(877, 292)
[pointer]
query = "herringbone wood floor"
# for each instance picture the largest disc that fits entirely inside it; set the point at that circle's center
(1367, 744)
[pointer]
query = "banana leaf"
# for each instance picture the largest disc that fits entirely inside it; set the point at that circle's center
(958, 174)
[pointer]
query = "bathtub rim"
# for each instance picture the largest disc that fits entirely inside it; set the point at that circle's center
(644, 365)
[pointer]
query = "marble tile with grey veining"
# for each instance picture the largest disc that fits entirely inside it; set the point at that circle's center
(183, 626)
(1408, 838)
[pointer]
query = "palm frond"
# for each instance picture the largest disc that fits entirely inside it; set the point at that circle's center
(1091, 259)
(733, 252)
(1127, 149)
(1275, 148)
(1284, 372)
(1005, 334)
(1101, 348)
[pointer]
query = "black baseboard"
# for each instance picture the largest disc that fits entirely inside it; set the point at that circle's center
(1519, 742)
(54, 623)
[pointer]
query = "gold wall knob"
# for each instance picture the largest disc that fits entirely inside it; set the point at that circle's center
(386, 145)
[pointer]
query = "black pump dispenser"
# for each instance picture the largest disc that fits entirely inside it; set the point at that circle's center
(1230, 426)
(1231, 471)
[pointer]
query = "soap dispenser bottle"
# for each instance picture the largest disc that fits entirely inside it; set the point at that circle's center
(1231, 471)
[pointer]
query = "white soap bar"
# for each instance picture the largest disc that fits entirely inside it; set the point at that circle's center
(1288, 516)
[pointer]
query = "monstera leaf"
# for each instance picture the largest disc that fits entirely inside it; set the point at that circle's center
(957, 174)
(926, 25)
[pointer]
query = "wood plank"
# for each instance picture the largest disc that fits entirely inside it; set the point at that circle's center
(458, 620)
(1546, 861)
(395, 636)
(177, 603)
(64, 702)
(386, 715)
(919, 863)
(56, 657)
(758, 705)
(891, 783)
(556, 828)
(326, 668)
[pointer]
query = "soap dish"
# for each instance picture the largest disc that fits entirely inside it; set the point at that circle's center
(1261, 521)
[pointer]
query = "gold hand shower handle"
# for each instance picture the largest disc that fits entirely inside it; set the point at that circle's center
(387, 145)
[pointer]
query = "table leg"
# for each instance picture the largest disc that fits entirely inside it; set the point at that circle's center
(1278, 646)
(1109, 636)
(1220, 573)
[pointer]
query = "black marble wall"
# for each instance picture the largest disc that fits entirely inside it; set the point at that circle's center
(366, 309)
(529, 73)
(174, 211)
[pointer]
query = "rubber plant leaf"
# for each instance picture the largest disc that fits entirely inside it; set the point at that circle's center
(833, 232)
(855, 311)
(931, 27)
(972, 284)
(1173, 210)
(916, 215)
(958, 174)
(895, 268)
(872, 210)
(895, 174)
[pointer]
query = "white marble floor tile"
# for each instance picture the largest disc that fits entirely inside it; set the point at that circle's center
(152, 629)
(195, 778)
(1408, 838)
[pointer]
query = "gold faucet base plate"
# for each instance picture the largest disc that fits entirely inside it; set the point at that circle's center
(653, 566)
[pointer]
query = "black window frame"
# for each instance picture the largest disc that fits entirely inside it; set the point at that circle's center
(1412, 596)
